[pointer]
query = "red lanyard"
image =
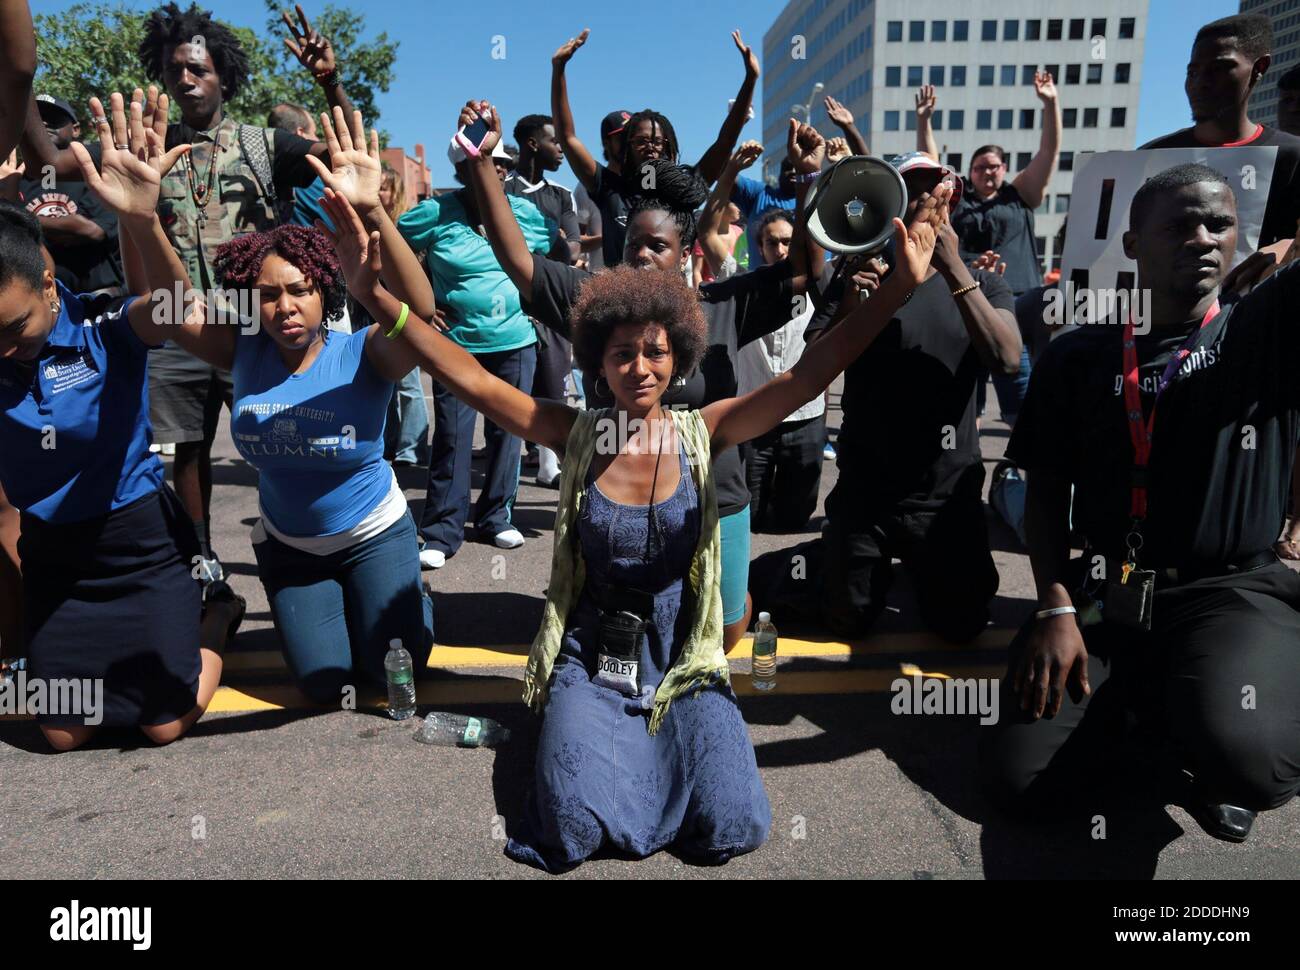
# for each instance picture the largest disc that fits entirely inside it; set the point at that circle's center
(1140, 432)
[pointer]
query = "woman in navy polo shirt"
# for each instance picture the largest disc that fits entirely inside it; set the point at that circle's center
(108, 598)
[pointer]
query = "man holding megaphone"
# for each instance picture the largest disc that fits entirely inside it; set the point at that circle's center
(911, 474)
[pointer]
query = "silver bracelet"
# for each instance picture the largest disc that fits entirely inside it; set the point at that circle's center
(1055, 611)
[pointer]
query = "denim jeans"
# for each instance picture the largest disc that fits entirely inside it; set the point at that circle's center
(336, 614)
(406, 432)
(446, 502)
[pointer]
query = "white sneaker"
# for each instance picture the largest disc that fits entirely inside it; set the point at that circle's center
(510, 539)
(432, 559)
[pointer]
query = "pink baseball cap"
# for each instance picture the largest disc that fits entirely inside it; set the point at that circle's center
(914, 160)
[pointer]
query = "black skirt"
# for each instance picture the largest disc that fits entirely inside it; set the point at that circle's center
(113, 599)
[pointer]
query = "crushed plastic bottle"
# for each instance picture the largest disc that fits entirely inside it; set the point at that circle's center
(461, 730)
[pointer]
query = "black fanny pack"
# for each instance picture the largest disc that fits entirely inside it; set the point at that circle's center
(624, 617)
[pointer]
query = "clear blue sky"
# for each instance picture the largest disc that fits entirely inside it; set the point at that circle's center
(675, 56)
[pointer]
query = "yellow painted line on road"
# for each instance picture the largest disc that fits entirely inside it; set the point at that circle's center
(504, 690)
(443, 657)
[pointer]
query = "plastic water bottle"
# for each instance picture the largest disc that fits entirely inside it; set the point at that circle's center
(460, 730)
(400, 675)
(763, 669)
(10, 666)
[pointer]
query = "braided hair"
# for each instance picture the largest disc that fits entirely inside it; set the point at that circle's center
(169, 27)
(676, 189)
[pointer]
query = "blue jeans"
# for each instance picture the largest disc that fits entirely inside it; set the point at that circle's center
(406, 432)
(336, 614)
(1010, 389)
(446, 502)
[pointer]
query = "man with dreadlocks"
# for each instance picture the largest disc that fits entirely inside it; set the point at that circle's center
(647, 136)
(227, 186)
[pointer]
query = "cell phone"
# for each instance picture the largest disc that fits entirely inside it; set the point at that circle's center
(471, 137)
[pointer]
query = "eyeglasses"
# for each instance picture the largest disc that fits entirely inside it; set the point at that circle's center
(987, 168)
(643, 143)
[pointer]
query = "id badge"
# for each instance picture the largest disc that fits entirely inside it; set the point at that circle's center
(1129, 604)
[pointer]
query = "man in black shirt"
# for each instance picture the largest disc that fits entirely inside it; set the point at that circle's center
(1211, 654)
(910, 468)
(79, 232)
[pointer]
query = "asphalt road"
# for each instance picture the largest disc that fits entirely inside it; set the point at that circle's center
(273, 788)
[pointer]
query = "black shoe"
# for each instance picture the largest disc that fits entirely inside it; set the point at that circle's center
(219, 591)
(1226, 822)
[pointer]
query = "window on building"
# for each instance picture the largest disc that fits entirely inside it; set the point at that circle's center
(1005, 118)
(984, 119)
(916, 31)
(1045, 206)
(909, 120)
(1126, 27)
(894, 30)
(936, 120)
(914, 77)
(1040, 246)
(986, 75)
(1118, 117)
(989, 30)
(954, 161)
(960, 28)
(1026, 118)
(1054, 70)
(1062, 202)
(1090, 117)
(1066, 162)
(1011, 30)
(936, 75)
(1121, 73)
(893, 77)
(1008, 75)
(1076, 28)
(1053, 29)
(1069, 117)
(957, 76)
(1098, 27)
(1022, 160)
(956, 119)
(891, 121)
(1072, 73)
(938, 30)
(1033, 29)
(1094, 73)
(1027, 72)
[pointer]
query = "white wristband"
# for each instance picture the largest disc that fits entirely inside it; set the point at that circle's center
(1056, 611)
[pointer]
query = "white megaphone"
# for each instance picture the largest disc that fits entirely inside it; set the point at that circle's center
(854, 203)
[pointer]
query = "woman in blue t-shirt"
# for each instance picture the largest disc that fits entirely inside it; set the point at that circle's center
(110, 607)
(337, 551)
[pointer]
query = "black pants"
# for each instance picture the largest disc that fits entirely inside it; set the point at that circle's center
(783, 469)
(1217, 679)
(946, 553)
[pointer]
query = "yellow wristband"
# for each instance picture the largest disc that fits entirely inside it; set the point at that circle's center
(401, 322)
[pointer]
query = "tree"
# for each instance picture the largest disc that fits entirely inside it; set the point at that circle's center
(90, 49)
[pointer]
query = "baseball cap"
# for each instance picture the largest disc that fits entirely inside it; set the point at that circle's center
(55, 110)
(613, 123)
(914, 160)
(499, 153)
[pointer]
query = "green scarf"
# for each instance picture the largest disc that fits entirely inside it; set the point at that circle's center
(702, 660)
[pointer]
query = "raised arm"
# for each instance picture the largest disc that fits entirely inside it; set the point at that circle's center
(316, 54)
(843, 117)
(734, 420)
(17, 69)
(580, 160)
(993, 333)
(1032, 182)
(806, 150)
(926, 99)
(715, 241)
(714, 160)
(355, 173)
(395, 350)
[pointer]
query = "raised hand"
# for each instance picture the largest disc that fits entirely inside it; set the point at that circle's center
(472, 112)
(358, 251)
(914, 244)
(313, 50)
(836, 149)
(1044, 87)
(839, 114)
(745, 156)
(989, 260)
(926, 99)
(747, 52)
(11, 172)
(569, 47)
(354, 171)
(132, 160)
(805, 148)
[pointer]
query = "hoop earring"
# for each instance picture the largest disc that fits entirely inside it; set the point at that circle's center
(596, 387)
